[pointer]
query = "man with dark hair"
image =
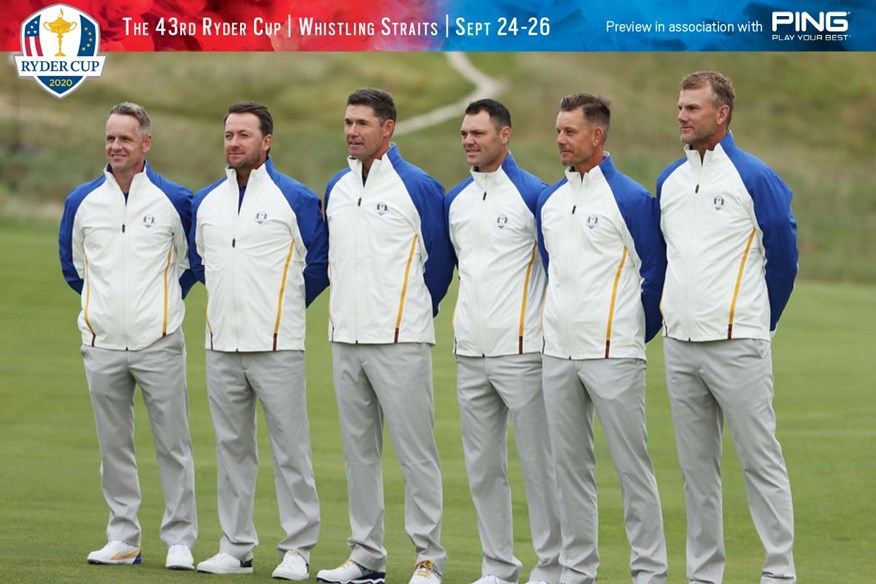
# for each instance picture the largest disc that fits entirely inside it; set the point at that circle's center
(491, 219)
(123, 248)
(260, 246)
(599, 233)
(390, 266)
(732, 249)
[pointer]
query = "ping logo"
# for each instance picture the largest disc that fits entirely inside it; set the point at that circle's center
(806, 21)
(59, 49)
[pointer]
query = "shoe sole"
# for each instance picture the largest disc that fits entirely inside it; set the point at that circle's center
(225, 570)
(277, 575)
(354, 581)
(123, 562)
(180, 567)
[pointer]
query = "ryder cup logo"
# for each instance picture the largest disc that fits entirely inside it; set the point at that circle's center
(148, 221)
(501, 221)
(592, 221)
(718, 202)
(261, 217)
(59, 49)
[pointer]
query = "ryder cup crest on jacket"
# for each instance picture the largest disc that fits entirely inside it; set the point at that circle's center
(59, 49)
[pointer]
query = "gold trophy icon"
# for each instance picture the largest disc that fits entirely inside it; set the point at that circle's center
(60, 27)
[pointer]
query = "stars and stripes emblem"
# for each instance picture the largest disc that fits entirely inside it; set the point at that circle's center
(32, 46)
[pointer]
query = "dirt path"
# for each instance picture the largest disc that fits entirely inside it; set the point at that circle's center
(485, 86)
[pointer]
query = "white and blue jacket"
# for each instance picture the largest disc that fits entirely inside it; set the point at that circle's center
(127, 257)
(262, 258)
(599, 236)
(389, 255)
(731, 244)
(491, 218)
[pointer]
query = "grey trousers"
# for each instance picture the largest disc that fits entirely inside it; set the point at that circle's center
(160, 371)
(707, 383)
(235, 381)
(396, 381)
(490, 390)
(615, 388)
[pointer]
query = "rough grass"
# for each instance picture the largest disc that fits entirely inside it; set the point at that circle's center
(809, 115)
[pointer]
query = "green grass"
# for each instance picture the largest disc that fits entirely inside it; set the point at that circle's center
(52, 512)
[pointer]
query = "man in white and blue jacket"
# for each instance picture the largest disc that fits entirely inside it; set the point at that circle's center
(497, 329)
(605, 258)
(732, 251)
(260, 246)
(123, 248)
(390, 265)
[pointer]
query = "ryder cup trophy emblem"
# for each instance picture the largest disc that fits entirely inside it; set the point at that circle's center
(60, 27)
(69, 27)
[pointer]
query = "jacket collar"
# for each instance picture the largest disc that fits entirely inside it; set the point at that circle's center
(256, 176)
(604, 169)
(138, 178)
(485, 180)
(722, 148)
(380, 165)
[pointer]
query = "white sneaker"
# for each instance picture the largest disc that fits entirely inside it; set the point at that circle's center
(425, 573)
(351, 572)
(293, 567)
(223, 563)
(115, 552)
(179, 557)
(490, 579)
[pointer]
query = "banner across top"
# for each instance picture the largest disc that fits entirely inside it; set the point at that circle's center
(468, 25)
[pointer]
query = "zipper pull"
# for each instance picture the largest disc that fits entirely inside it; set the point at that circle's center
(573, 209)
(697, 189)
(233, 242)
(485, 196)
(359, 204)
(123, 227)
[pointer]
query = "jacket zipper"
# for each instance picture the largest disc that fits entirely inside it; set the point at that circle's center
(124, 267)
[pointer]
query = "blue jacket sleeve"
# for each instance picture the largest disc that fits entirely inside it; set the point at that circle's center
(314, 235)
(196, 264)
(772, 208)
(542, 249)
(641, 213)
(428, 198)
(448, 202)
(65, 242)
(182, 202)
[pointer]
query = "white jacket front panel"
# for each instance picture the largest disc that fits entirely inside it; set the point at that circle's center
(378, 253)
(717, 281)
(501, 277)
(253, 265)
(593, 308)
(126, 257)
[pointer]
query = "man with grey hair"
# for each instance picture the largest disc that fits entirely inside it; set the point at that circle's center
(732, 258)
(605, 259)
(123, 248)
